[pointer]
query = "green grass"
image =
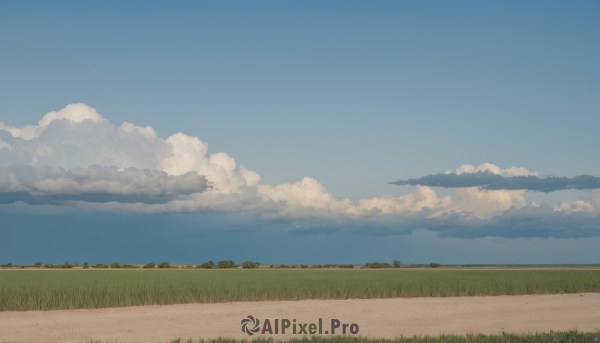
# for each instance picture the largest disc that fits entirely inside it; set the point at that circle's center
(552, 337)
(74, 289)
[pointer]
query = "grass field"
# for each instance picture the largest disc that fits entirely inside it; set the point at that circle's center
(557, 337)
(75, 289)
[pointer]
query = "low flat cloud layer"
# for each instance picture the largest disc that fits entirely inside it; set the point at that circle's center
(490, 181)
(74, 159)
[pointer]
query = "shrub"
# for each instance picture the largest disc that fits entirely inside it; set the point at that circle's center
(48, 266)
(317, 266)
(100, 265)
(8, 265)
(86, 265)
(66, 265)
(300, 266)
(226, 264)
(150, 265)
(128, 266)
(38, 264)
(250, 265)
(164, 265)
(396, 264)
(435, 265)
(284, 266)
(208, 265)
(346, 266)
(115, 265)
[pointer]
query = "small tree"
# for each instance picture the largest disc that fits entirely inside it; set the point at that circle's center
(396, 264)
(435, 265)
(226, 264)
(150, 265)
(164, 265)
(86, 265)
(115, 265)
(38, 264)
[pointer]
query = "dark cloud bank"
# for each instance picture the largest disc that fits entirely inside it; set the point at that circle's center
(526, 222)
(48, 185)
(491, 181)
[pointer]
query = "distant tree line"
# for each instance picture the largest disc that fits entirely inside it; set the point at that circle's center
(66, 265)
(225, 264)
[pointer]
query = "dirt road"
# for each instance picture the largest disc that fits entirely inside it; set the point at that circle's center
(374, 318)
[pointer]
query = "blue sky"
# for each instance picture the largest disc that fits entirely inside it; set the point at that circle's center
(352, 95)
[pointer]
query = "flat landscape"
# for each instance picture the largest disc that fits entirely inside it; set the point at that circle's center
(348, 171)
(26, 290)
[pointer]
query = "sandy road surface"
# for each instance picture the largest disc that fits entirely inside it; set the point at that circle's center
(375, 317)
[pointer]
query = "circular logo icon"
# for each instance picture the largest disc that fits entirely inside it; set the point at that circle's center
(250, 325)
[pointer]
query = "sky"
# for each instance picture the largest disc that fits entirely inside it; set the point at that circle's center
(300, 132)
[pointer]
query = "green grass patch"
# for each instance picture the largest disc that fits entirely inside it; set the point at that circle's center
(22, 290)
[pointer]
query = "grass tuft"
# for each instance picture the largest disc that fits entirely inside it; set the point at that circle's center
(552, 337)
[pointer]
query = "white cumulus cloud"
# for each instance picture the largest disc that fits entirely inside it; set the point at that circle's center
(75, 157)
(489, 167)
(488, 203)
